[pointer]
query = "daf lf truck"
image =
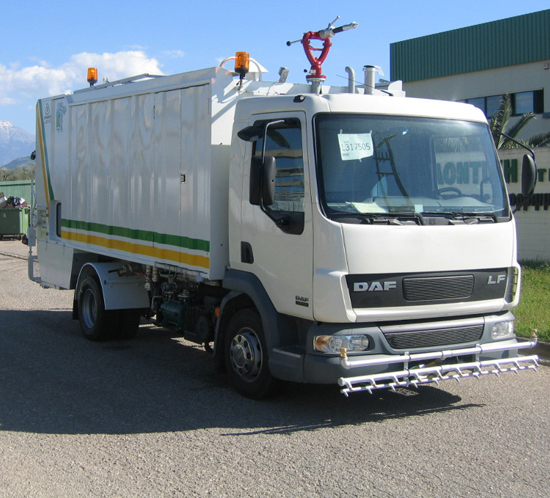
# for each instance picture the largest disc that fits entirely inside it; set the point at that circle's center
(301, 232)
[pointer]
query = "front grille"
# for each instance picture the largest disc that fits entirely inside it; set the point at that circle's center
(435, 337)
(438, 288)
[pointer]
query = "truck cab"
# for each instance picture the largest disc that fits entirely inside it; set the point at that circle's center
(376, 229)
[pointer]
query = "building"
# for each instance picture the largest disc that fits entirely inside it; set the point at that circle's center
(479, 64)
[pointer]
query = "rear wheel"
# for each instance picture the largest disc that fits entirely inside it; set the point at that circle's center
(246, 356)
(96, 323)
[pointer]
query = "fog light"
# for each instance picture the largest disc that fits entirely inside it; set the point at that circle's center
(334, 343)
(502, 330)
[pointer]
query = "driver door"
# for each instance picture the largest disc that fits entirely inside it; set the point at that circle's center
(278, 238)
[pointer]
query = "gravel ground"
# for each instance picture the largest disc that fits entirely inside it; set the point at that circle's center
(151, 418)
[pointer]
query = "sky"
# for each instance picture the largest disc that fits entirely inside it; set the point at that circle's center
(46, 47)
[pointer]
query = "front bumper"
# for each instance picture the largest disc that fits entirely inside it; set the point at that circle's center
(424, 368)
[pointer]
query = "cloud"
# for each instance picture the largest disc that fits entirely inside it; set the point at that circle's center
(136, 47)
(40, 80)
(174, 54)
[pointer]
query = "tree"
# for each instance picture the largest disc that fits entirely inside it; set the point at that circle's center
(23, 172)
(499, 124)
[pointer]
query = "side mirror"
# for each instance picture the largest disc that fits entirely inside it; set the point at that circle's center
(262, 181)
(251, 133)
(528, 176)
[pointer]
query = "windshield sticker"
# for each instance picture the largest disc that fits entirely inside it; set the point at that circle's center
(368, 207)
(355, 146)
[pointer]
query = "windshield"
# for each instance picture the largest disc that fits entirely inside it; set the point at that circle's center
(385, 166)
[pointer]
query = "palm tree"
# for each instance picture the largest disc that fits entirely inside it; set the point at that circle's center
(499, 124)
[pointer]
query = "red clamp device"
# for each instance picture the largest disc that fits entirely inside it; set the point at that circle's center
(316, 71)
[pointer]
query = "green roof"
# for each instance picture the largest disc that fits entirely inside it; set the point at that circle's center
(516, 40)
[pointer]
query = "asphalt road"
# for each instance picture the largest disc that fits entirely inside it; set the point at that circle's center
(151, 418)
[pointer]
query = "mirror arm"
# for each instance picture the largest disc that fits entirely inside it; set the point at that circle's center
(531, 153)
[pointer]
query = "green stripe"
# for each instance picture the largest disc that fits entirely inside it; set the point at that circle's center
(141, 235)
(47, 180)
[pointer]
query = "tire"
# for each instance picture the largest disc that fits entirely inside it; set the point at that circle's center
(245, 355)
(96, 323)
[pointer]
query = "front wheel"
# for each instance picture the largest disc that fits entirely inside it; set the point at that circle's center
(246, 356)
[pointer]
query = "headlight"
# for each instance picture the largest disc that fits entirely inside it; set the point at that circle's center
(502, 330)
(334, 343)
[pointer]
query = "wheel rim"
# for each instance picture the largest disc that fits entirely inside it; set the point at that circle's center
(246, 355)
(89, 308)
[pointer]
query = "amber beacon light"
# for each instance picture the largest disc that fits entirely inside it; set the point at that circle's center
(242, 60)
(92, 76)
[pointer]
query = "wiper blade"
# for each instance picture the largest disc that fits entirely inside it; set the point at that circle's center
(391, 218)
(475, 216)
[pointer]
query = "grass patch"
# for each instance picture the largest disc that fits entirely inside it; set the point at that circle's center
(533, 311)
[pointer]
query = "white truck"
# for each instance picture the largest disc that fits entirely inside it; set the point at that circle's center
(303, 232)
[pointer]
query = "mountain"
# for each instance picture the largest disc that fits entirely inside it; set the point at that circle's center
(15, 143)
(20, 161)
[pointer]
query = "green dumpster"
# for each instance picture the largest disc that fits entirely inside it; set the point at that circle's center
(14, 222)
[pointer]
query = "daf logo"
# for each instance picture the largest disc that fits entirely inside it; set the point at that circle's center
(374, 286)
(496, 279)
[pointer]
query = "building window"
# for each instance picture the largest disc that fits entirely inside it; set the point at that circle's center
(479, 103)
(489, 105)
(524, 102)
(492, 104)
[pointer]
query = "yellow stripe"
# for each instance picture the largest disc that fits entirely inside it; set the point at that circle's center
(133, 248)
(42, 155)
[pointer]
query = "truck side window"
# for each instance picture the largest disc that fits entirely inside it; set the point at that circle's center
(285, 144)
